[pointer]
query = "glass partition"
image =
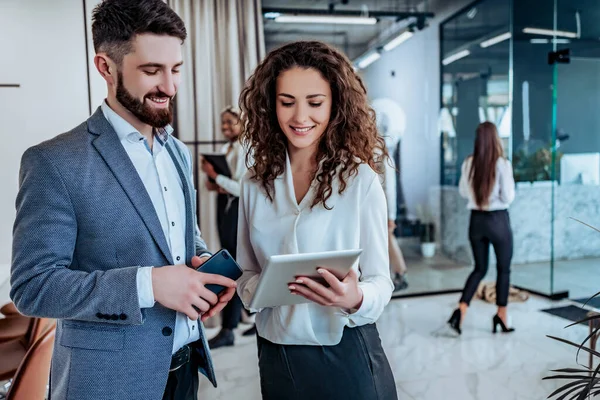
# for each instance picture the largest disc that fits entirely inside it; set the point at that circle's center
(576, 120)
(536, 74)
(532, 211)
(476, 86)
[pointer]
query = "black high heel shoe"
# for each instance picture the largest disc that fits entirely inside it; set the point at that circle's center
(454, 321)
(498, 321)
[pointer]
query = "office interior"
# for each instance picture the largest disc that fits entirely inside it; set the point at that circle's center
(434, 70)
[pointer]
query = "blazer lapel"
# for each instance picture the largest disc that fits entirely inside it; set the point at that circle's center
(108, 145)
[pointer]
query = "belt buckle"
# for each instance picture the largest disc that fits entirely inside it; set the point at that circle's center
(187, 359)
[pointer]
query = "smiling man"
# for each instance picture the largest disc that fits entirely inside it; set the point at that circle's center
(106, 233)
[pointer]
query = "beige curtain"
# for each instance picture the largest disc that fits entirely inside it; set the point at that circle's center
(225, 43)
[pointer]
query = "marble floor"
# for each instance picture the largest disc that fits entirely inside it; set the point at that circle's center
(430, 364)
(580, 277)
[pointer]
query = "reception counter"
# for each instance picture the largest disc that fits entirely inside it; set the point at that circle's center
(531, 216)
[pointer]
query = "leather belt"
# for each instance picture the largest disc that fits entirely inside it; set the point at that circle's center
(180, 358)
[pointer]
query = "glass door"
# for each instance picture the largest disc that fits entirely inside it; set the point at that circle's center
(576, 148)
(532, 146)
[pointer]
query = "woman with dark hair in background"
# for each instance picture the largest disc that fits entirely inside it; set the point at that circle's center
(487, 182)
(228, 189)
(313, 187)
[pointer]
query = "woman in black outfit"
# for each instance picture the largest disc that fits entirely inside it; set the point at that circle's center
(487, 182)
(228, 189)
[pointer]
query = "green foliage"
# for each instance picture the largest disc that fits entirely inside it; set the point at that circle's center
(536, 166)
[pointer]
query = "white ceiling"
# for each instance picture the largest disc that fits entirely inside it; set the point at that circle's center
(352, 39)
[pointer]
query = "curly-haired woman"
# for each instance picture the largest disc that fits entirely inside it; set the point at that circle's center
(313, 187)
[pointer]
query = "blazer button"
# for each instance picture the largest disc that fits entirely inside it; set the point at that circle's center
(114, 317)
(100, 315)
(123, 317)
(166, 331)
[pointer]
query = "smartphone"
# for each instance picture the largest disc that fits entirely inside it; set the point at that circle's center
(221, 263)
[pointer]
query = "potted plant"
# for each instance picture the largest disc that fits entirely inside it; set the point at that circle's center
(535, 166)
(426, 232)
(583, 383)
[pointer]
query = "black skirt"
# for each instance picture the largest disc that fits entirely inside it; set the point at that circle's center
(356, 368)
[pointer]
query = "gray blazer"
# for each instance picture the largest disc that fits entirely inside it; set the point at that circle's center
(84, 225)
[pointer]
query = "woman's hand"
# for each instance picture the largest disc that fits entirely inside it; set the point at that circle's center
(212, 186)
(343, 293)
(391, 225)
(209, 170)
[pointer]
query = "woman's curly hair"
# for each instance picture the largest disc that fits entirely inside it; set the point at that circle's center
(349, 140)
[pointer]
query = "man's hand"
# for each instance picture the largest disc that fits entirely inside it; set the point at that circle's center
(182, 289)
(224, 297)
(198, 261)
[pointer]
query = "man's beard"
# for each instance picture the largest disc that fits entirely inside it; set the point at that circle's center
(144, 112)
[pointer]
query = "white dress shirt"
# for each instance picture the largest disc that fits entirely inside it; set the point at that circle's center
(236, 161)
(357, 220)
(503, 192)
(163, 184)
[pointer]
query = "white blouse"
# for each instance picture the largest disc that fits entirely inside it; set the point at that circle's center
(503, 192)
(236, 161)
(358, 220)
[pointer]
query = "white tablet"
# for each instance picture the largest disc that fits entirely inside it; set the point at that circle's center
(272, 289)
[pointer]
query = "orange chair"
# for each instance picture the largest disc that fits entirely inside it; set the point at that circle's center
(9, 309)
(14, 351)
(14, 327)
(31, 379)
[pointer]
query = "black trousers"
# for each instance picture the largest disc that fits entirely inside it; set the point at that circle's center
(485, 228)
(227, 220)
(182, 384)
(356, 368)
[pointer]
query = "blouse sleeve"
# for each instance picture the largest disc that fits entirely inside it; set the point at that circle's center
(233, 185)
(246, 284)
(375, 282)
(507, 183)
(464, 186)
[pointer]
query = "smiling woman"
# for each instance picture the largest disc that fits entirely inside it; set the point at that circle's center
(303, 119)
(313, 188)
(323, 81)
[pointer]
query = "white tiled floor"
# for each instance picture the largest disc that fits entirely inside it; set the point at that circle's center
(428, 364)
(442, 273)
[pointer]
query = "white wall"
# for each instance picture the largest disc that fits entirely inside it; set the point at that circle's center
(98, 89)
(43, 49)
(415, 87)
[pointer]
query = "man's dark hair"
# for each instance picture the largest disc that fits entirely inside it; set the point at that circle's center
(116, 22)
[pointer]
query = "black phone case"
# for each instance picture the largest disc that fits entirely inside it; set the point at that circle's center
(221, 263)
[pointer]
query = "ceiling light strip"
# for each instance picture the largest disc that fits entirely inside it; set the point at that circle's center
(319, 19)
